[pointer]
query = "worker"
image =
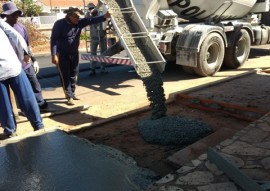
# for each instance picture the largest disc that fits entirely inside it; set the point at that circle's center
(12, 75)
(97, 38)
(31, 67)
(65, 40)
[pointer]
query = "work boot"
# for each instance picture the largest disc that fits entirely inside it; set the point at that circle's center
(6, 136)
(44, 107)
(70, 101)
(92, 72)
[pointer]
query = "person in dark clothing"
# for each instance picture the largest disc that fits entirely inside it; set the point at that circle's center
(65, 40)
(29, 65)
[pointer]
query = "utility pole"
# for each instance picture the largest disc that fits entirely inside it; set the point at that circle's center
(51, 5)
(84, 6)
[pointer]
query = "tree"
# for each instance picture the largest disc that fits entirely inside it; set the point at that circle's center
(29, 8)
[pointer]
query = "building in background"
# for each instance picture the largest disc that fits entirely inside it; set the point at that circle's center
(58, 6)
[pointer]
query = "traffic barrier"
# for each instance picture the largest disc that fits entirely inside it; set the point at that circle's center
(110, 60)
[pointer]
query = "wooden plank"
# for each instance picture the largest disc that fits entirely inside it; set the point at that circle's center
(60, 112)
(233, 172)
(237, 111)
(64, 111)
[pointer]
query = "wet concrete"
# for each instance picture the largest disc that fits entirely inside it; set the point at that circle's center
(173, 130)
(54, 160)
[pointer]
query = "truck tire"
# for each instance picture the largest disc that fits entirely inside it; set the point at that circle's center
(210, 56)
(237, 54)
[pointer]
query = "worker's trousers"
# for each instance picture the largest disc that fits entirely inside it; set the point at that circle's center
(102, 43)
(26, 100)
(68, 68)
(31, 75)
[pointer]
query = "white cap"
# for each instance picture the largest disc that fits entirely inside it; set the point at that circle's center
(91, 5)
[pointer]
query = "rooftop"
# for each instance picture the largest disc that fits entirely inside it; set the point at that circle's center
(66, 3)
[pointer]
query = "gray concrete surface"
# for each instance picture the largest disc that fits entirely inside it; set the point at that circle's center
(52, 160)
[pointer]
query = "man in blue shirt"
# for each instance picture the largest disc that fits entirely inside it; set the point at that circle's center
(65, 40)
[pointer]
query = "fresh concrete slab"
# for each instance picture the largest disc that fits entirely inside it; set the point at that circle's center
(54, 160)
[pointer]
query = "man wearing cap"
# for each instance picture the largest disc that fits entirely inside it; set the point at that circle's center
(97, 38)
(12, 75)
(65, 40)
(12, 13)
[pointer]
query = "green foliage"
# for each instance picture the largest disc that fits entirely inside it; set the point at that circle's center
(29, 8)
(85, 36)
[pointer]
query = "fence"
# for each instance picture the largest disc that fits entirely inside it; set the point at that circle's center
(44, 21)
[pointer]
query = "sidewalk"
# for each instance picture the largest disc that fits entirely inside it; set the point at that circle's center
(248, 157)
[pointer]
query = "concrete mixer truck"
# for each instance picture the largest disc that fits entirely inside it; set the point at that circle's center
(199, 35)
(203, 35)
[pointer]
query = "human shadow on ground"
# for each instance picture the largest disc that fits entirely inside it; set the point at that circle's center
(106, 83)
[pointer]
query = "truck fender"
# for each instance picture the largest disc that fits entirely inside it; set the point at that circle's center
(190, 40)
(192, 36)
(249, 29)
(238, 48)
(246, 26)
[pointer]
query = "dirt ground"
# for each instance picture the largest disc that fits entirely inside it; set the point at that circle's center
(250, 92)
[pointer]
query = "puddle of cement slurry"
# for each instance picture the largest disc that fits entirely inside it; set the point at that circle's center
(55, 161)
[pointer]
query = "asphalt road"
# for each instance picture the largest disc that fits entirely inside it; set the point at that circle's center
(47, 69)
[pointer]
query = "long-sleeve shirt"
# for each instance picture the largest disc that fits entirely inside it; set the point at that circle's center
(96, 30)
(20, 28)
(65, 36)
(16, 40)
(10, 65)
